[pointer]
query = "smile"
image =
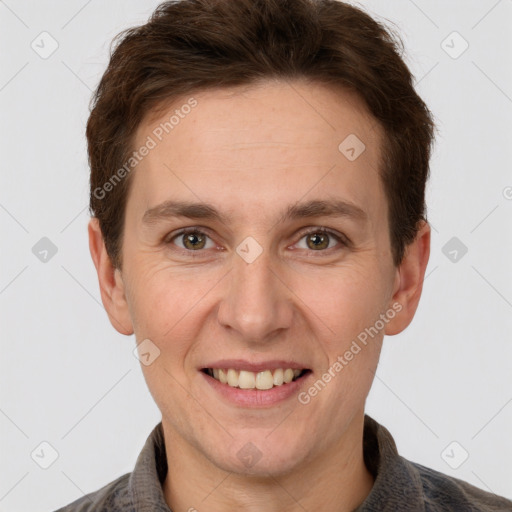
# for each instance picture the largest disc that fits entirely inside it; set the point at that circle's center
(266, 379)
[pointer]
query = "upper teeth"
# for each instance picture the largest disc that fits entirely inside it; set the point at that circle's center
(254, 380)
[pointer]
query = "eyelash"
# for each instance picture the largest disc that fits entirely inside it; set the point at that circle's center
(344, 242)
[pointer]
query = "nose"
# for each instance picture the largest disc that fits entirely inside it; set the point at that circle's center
(257, 303)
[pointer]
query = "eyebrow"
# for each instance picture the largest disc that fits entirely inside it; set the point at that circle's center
(314, 208)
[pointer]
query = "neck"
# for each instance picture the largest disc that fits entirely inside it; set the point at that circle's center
(335, 480)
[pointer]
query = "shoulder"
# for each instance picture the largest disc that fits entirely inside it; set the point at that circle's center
(111, 497)
(446, 493)
(402, 485)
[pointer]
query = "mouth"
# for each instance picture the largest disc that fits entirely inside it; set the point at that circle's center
(262, 380)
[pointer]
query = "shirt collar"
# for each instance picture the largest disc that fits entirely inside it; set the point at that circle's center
(397, 482)
(146, 479)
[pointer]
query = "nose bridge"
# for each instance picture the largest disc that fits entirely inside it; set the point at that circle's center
(255, 303)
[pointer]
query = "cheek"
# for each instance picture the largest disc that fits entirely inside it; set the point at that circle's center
(165, 304)
(346, 299)
(348, 303)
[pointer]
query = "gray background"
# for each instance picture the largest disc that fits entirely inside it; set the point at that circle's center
(68, 378)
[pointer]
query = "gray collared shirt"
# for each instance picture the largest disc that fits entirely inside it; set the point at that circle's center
(400, 485)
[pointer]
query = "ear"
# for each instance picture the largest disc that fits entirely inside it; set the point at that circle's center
(409, 281)
(111, 283)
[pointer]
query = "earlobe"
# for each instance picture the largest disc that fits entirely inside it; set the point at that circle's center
(110, 280)
(409, 280)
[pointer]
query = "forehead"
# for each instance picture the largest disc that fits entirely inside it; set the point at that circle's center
(320, 114)
(257, 139)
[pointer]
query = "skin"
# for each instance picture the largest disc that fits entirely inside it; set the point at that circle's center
(251, 152)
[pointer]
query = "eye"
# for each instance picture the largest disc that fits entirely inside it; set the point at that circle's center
(192, 239)
(195, 240)
(318, 239)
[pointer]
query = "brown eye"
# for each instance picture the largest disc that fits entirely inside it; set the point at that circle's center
(318, 240)
(191, 240)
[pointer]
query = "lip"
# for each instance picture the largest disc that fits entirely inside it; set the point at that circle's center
(257, 398)
(243, 364)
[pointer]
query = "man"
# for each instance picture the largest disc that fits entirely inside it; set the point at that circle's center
(258, 173)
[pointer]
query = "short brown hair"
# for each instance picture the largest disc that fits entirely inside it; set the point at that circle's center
(192, 45)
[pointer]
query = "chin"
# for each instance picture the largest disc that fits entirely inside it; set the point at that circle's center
(261, 454)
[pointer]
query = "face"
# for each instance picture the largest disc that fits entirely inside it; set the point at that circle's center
(286, 266)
